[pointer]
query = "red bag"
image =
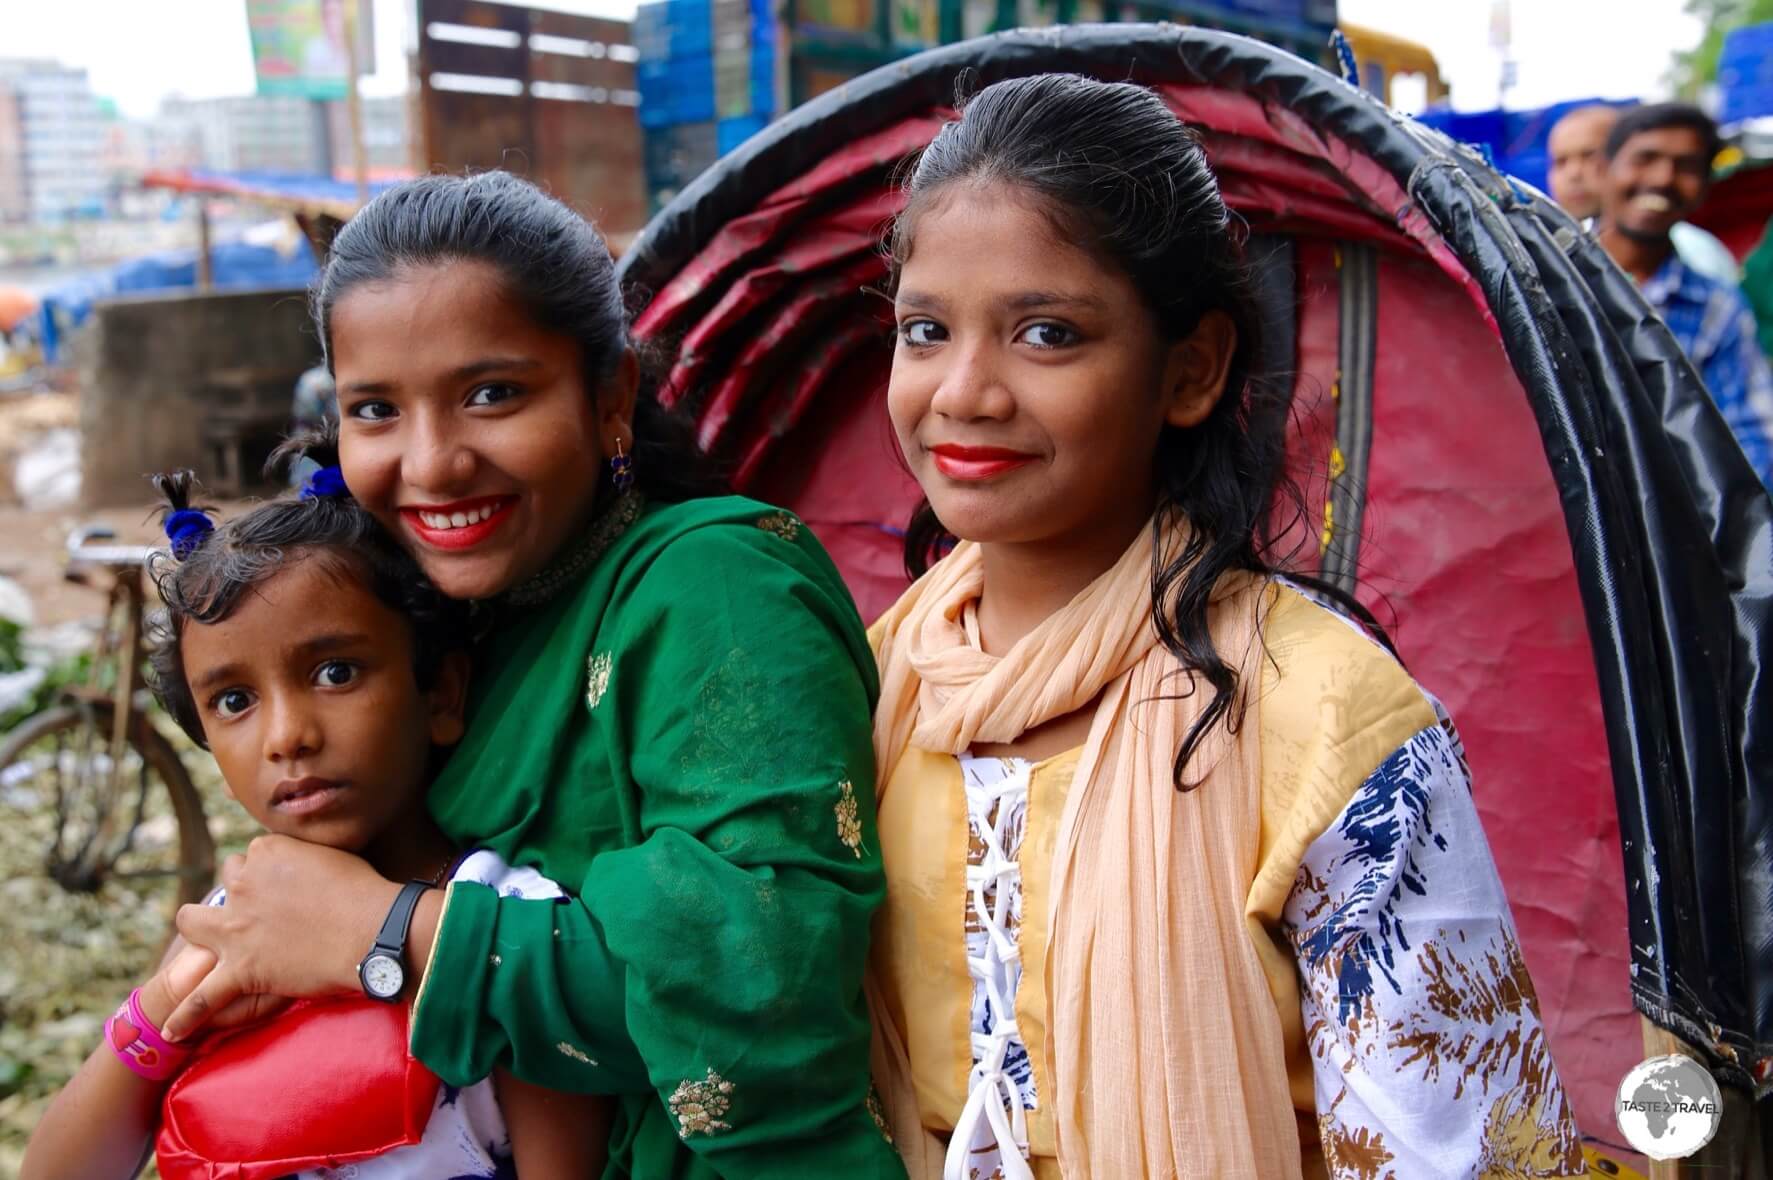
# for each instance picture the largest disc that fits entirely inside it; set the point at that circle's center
(327, 1083)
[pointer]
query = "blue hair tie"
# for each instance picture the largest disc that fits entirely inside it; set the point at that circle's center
(186, 529)
(326, 481)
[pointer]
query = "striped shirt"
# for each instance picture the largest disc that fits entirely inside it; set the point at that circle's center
(1716, 329)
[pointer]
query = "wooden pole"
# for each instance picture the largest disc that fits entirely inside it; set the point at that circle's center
(354, 106)
(205, 275)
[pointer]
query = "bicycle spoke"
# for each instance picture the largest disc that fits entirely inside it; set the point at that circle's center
(61, 751)
(67, 793)
(141, 808)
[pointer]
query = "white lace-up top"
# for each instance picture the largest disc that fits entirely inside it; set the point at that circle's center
(991, 1136)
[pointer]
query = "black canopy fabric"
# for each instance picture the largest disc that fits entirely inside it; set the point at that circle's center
(1672, 533)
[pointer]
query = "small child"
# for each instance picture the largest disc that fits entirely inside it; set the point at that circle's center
(311, 656)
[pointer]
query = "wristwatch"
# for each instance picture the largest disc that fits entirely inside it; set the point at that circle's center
(382, 971)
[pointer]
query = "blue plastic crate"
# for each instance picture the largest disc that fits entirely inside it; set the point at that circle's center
(754, 16)
(1289, 11)
(692, 27)
(763, 79)
(651, 34)
(1750, 43)
(731, 133)
(656, 152)
(677, 155)
(692, 83)
(653, 80)
(750, 20)
(680, 90)
(673, 29)
(1745, 74)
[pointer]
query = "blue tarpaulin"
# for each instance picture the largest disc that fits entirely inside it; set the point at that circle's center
(1745, 74)
(1515, 140)
(233, 265)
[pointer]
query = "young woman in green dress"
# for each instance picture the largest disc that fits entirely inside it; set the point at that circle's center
(670, 717)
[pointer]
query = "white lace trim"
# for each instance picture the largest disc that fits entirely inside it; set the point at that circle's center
(991, 1135)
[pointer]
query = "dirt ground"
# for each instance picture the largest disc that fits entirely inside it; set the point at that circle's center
(25, 415)
(33, 541)
(34, 554)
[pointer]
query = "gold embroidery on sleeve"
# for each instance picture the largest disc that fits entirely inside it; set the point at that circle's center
(878, 1114)
(597, 670)
(781, 524)
(574, 1052)
(699, 1105)
(849, 821)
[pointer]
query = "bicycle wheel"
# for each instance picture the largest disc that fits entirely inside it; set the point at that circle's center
(136, 827)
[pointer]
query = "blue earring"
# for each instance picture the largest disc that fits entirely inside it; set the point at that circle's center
(621, 469)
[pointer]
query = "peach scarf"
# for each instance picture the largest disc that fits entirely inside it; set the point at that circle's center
(1166, 1051)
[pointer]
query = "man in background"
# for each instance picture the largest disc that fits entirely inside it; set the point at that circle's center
(1658, 167)
(1577, 146)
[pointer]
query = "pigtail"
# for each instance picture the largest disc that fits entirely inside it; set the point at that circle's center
(175, 488)
(186, 527)
(319, 445)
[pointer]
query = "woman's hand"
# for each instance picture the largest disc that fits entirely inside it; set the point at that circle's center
(298, 919)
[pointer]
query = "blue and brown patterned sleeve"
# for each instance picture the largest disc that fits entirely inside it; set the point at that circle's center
(1428, 1053)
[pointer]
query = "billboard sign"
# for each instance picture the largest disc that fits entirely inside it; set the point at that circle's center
(303, 47)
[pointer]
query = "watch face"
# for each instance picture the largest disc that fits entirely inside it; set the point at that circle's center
(383, 976)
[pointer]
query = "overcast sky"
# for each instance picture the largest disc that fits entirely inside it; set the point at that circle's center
(139, 51)
(1562, 49)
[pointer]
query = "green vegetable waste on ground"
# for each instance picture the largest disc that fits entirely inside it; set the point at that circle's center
(69, 958)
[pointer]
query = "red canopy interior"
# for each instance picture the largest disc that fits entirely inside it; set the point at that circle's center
(785, 342)
(1739, 207)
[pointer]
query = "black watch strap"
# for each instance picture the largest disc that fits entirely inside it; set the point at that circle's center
(391, 939)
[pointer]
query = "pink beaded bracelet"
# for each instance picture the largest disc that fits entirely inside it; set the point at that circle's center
(139, 1045)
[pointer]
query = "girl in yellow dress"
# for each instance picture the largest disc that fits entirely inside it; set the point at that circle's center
(1184, 874)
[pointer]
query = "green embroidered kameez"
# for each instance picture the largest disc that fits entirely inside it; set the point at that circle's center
(679, 736)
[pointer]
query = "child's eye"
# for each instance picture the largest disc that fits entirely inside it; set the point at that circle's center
(231, 702)
(1045, 335)
(922, 333)
(492, 395)
(371, 411)
(335, 674)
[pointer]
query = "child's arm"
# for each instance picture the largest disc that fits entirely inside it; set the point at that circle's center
(553, 1134)
(101, 1126)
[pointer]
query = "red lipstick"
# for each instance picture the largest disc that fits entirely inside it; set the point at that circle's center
(971, 464)
(480, 518)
